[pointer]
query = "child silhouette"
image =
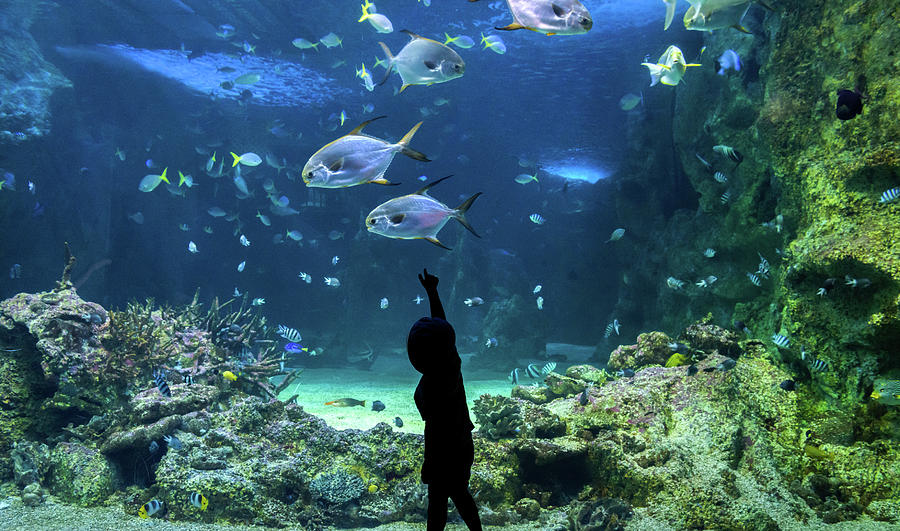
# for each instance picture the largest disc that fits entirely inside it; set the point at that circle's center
(441, 400)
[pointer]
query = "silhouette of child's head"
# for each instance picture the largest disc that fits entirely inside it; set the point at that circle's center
(431, 345)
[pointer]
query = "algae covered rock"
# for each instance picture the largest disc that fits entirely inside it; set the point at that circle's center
(651, 349)
(712, 339)
(336, 487)
(80, 474)
(588, 373)
(59, 368)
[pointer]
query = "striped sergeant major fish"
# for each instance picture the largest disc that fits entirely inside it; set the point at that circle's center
(291, 334)
(160, 378)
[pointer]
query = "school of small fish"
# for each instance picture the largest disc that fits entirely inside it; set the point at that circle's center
(353, 158)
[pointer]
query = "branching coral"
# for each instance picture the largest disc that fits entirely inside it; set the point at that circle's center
(498, 416)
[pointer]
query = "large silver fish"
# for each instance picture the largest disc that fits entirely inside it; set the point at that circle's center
(423, 62)
(711, 15)
(670, 68)
(356, 158)
(550, 17)
(417, 216)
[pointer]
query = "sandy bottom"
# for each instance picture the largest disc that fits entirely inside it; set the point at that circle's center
(52, 516)
(392, 380)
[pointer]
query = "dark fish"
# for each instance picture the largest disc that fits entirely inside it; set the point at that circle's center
(160, 378)
(398, 422)
(346, 402)
(726, 365)
(788, 385)
(227, 85)
(625, 373)
(378, 405)
(741, 327)
(692, 370)
(584, 396)
(709, 369)
(514, 376)
(706, 165)
(679, 347)
(153, 447)
(849, 104)
(225, 69)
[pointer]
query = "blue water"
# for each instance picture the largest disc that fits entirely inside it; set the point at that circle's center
(550, 103)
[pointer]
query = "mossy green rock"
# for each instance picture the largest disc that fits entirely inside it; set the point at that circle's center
(651, 349)
(80, 474)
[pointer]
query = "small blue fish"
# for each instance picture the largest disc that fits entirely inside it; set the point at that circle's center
(149, 163)
(153, 447)
(398, 422)
(295, 348)
(7, 180)
(377, 405)
(423, 178)
(729, 60)
(173, 442)
(537, 219)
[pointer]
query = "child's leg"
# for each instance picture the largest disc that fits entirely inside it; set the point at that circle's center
(467, 508)
(437, 508)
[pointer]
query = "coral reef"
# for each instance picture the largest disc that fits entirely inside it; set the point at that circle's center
(708, 448)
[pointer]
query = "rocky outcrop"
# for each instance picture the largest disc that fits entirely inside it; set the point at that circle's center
(27, 81)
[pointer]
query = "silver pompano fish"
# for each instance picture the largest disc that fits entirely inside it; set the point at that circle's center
(550, 17)
(417, 216)
(356, 158)
(716, 14)
(423, 62)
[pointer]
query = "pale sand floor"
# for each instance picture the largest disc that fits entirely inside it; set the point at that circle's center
(392, 380)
